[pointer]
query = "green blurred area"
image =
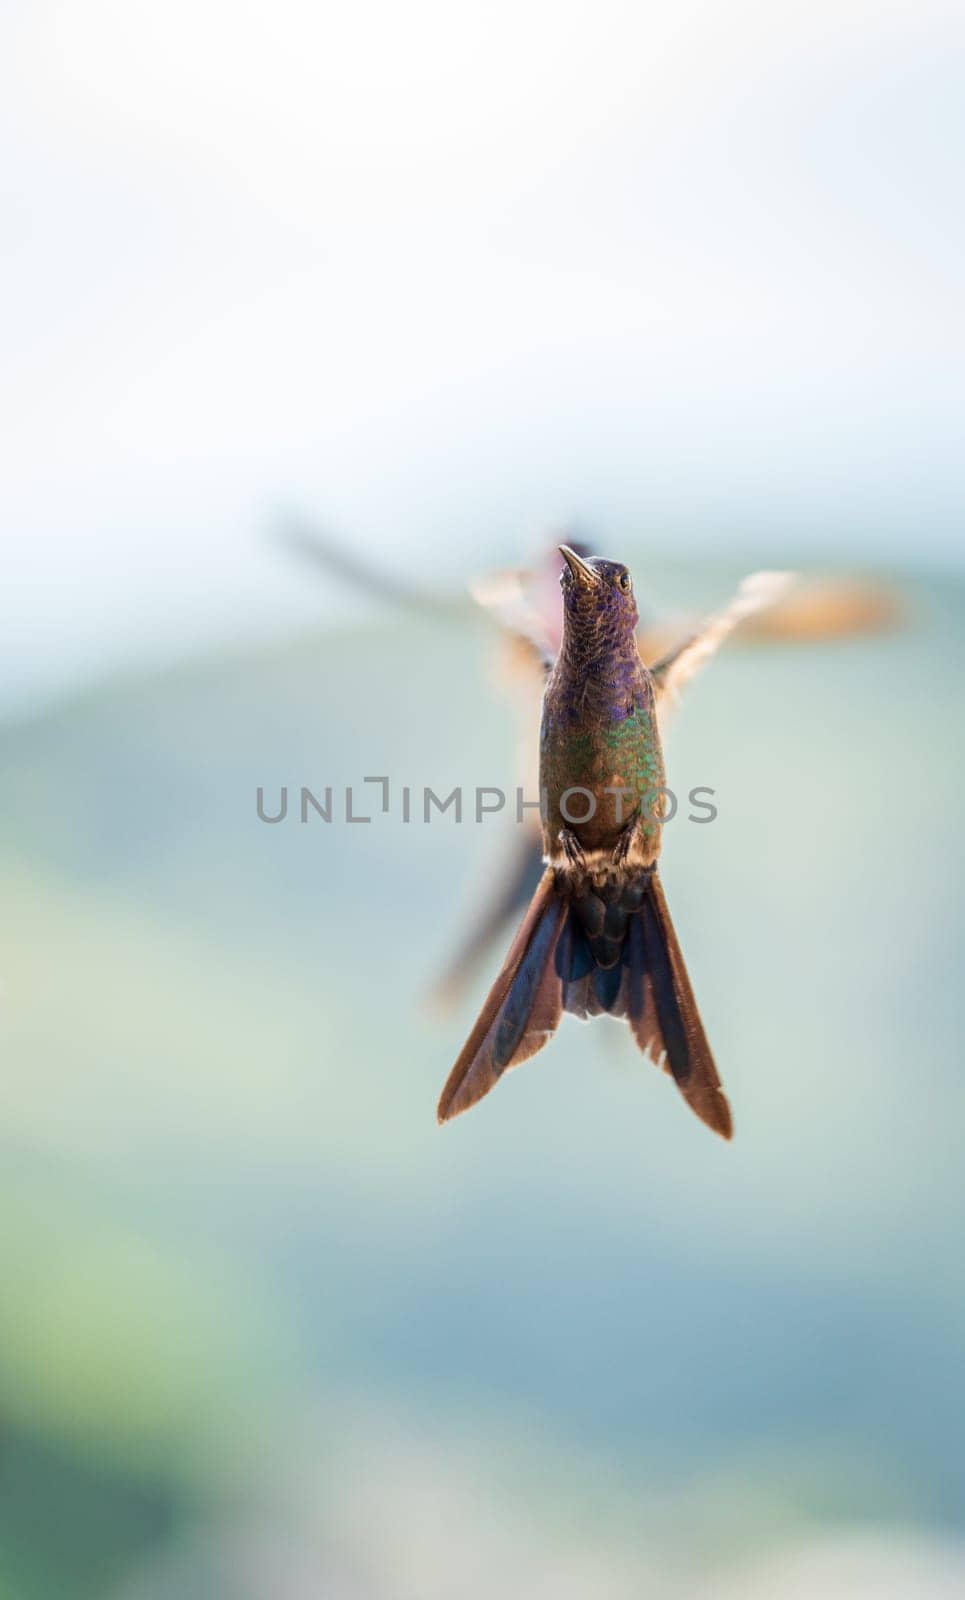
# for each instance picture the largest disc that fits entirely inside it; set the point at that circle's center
(263, 1324)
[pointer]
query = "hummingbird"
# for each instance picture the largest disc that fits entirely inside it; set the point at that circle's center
(523, 603)
(596, 938)
(528, 608)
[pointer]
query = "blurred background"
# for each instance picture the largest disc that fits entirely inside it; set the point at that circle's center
(437, 279)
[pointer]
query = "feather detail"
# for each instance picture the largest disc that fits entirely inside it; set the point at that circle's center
(563, 959)
(511, 898)
(665, 1019)
(522, 1009)
(756, 593)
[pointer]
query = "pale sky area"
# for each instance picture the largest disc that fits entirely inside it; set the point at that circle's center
(443, 274)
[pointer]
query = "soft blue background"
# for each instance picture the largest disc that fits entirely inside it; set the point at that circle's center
(240, 1258)
(441, 276)
(444, 274)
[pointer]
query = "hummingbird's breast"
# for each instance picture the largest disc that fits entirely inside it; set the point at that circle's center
(601, 765)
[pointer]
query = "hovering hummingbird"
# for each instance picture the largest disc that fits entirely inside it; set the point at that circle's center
(529, 609)
(597, 936)
(524, 605)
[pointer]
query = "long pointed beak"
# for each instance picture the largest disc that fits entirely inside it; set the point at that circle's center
(581, 572)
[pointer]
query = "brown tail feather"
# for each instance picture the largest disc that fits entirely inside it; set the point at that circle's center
(480, 1065)
(550, 968)
(666, 1022)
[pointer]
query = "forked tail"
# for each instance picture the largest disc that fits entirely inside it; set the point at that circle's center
(590, 950)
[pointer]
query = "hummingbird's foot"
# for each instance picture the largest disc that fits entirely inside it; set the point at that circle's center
(626, 842)
(571, 848)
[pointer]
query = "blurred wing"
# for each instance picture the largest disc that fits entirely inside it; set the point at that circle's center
(316, 546)
(828, 608)
(502, 595)
(512, 896)
(756, 593)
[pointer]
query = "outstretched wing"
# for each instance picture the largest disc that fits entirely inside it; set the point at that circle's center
(503, 596)
(756, 593)
(511, 897)
(314, 544)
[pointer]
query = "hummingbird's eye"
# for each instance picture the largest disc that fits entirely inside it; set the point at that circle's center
(625, 582)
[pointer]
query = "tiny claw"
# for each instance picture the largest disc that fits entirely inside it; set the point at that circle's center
(623, 844)
(571, 847)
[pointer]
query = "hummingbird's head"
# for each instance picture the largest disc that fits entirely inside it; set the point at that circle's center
(597, 595)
